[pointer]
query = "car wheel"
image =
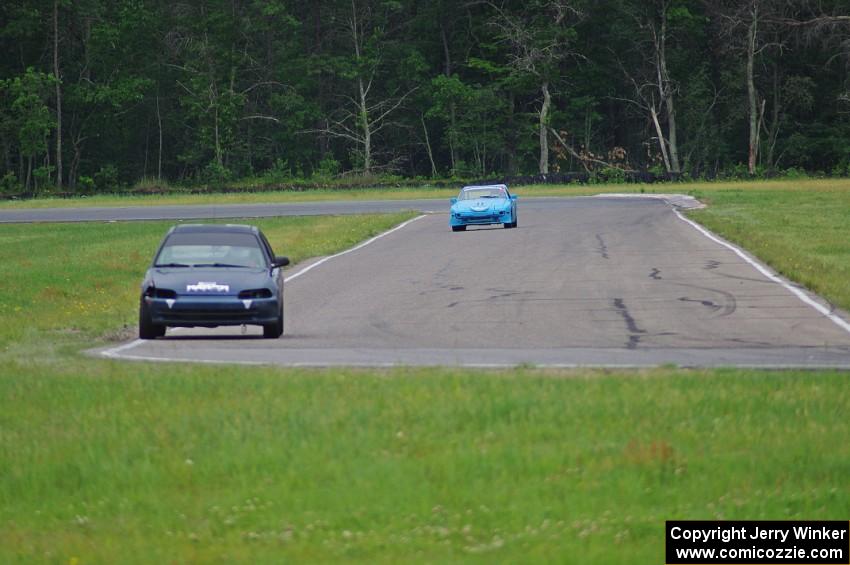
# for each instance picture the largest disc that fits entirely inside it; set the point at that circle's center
(458, 228)
(275, 330)
(147, 329)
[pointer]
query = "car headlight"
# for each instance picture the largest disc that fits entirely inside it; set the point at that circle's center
(153, 292)
(255, 293)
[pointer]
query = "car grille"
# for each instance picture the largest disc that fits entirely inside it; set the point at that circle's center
(200, 315)
(472, 218)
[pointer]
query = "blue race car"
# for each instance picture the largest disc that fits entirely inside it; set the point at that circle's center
(483, 205)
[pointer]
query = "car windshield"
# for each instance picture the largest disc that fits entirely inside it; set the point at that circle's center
(476, 193)
(211, 250)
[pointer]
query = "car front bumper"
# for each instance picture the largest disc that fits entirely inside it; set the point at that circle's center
(473, 218)
(211, 311)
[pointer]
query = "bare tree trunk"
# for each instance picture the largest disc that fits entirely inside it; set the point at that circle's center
(447, 71)
(667, 93)
(671, 136)
(46, 162)
(544, 133)
(7, 156)
(479, 158)
(428, 146)
(218, 158)
(751, 90)
(58, 94)
(452, 151)
(453, 135)
(159, 155)
(147, 148)
(359, 121)
(364, 124)
(759, 125)
(662, 143)
(323, 139)
(363, 108)
(511, 137)
(664, 86)
(773, 129)
(75, 161)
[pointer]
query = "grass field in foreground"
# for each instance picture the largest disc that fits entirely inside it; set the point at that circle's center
(109, 462)
(104, 461)
(696, 188)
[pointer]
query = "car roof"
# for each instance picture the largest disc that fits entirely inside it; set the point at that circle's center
(214, 228)
(480, 186)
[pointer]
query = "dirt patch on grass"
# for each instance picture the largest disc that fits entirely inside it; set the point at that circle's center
(124, 333)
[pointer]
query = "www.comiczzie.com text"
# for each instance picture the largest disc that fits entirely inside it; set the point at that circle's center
(804, 542)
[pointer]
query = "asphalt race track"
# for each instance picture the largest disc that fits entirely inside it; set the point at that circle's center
(581, 281)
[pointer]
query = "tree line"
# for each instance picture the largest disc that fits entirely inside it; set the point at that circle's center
(96, 93)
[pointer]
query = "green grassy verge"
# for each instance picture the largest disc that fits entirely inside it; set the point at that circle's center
(425, 192)
(84, 278)
(109, 462)
(105, 461)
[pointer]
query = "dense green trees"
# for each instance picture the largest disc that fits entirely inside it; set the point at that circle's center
(99, 92)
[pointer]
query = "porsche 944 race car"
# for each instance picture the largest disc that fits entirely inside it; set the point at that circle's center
(483, 205)
(213, 275)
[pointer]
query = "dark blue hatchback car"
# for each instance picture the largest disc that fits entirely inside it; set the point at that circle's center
(213, 275)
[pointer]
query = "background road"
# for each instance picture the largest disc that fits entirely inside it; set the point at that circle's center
(591, 281)
(214, 211)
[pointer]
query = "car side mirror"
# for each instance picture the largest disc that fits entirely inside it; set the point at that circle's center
(514, 196)
(280, 261)
(454, 200)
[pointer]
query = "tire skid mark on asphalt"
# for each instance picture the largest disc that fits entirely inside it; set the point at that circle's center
(118, 352)
(728, 305)
(603, 247)
(767, 272)
(635, 332)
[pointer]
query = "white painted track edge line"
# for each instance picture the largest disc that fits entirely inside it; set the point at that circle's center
(117, 352)
(767, 272)
(355, 248)
(479, 366)
(184, 360)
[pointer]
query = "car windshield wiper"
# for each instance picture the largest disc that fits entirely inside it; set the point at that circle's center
(221, 265)
(170, 265)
